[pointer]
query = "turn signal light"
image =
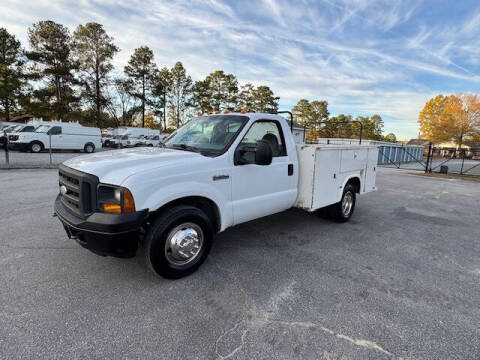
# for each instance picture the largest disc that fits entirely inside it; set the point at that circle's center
(128, 202)
(112, 208)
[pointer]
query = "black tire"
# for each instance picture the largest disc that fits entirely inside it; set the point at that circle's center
(339, 213)
(106, 143)
(35, 147)
(158, 258)
(89, 148)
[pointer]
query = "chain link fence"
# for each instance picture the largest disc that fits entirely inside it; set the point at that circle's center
(434, 159)
(48, 158)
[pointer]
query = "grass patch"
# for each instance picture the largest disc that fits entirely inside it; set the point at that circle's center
(466, 177)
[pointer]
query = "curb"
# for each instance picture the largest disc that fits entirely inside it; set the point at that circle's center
(28, 167)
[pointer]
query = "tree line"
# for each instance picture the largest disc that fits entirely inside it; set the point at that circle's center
(70, 76)
(316, 117)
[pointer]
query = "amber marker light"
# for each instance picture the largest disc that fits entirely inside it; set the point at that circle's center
(112, 208)
(128, 202)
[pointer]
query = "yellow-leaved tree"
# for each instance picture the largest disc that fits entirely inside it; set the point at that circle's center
(451, 118)
(150, 121)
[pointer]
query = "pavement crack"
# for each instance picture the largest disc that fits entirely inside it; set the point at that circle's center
(250, 308)
(367, 344)
(236, 349)
(247, 301)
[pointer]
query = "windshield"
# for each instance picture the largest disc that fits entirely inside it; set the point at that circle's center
(42, 128)
(13, 128)
(209, 135)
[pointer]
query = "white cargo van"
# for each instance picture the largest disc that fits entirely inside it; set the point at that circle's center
(57, 136)
(215, 172)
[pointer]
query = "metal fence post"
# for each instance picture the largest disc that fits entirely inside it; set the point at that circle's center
(50, 139)
(7, 155)
(463, 161)
(429, 158)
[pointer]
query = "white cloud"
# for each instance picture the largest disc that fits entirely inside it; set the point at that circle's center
(351, 52)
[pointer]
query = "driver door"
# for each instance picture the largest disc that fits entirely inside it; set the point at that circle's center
(261, 190)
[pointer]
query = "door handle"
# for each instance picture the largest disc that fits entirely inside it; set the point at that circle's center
(290, 169)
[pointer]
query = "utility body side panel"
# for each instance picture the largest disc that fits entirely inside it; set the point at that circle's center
(325, 170)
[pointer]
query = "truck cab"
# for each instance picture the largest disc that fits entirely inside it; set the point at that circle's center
(215, 172)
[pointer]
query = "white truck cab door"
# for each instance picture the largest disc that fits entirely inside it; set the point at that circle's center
(261, 190)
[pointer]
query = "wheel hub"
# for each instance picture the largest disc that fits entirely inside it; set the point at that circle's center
(184, 243)
(347, 203)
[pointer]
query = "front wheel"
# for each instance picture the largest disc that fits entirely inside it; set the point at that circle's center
(35, 147)
(343, 210)
(178, 242)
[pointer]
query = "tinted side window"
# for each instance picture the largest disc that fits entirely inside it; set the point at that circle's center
(56, 130)
(269, 131)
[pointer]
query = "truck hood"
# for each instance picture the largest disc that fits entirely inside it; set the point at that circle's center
(115, 166)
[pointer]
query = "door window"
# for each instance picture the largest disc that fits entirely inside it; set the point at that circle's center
(56, 130)
(269, 131)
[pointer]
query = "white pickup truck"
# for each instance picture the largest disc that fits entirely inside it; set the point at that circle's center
(215, 172)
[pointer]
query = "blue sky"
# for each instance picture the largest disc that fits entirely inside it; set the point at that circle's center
(362, 56)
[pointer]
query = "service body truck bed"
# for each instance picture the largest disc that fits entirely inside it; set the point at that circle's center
(325, 169)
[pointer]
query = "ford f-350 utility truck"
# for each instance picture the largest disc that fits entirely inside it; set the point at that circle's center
(215, 172)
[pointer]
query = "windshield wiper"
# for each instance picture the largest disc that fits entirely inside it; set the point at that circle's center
(184, 147)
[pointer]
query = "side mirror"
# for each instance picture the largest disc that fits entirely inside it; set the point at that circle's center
(263, 153)
(260, 155)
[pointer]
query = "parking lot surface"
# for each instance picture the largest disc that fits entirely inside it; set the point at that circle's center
(400, 280)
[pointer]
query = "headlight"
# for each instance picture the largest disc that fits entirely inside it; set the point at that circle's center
(115, 199)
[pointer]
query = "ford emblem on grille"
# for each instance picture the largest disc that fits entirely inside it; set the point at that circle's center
(63, 190)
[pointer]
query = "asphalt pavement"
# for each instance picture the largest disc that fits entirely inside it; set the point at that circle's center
(400, 280)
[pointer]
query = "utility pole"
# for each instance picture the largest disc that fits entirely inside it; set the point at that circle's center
(164, 107)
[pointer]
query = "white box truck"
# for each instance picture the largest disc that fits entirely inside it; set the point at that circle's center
(57, 135)
(215, 172)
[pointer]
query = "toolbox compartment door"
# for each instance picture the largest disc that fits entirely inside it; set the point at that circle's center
(353, 160)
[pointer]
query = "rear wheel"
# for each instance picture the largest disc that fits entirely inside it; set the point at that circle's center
(178, 241)
(89, 148)
(343, 210)
(35, 147)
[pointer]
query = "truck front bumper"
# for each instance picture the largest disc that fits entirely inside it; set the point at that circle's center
(18, 146)
(101, 233)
